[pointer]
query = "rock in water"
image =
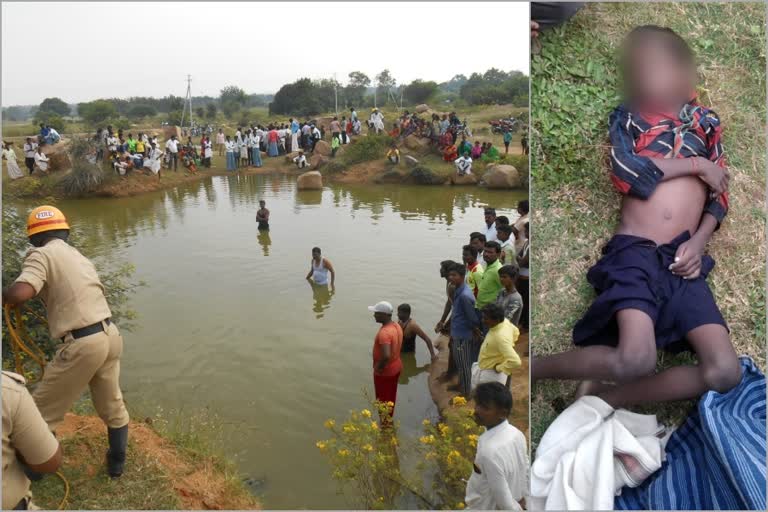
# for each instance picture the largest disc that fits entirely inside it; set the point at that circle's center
(322, 148)
(390, 177)
(311, 180)
(410, 161)
(317, 161)
(424, 176)
(502, 176)
(420, 109)
(467, 179)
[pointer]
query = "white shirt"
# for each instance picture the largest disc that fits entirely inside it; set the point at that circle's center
(172, 145)
(300, 161)
(230, 145)
(490, 233)
(54, 132)
(30, 150)
(463, 164)
(42, 161)
(502, 458)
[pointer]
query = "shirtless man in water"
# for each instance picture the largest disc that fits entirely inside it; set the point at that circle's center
(651, 280)
(410, 330)
(262, 216)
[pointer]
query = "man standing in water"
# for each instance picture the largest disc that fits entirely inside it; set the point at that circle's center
(319, 269)
(262, 216)
(386, 357)
(411, 329)
(79, 316)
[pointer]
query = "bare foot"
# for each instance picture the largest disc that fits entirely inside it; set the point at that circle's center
(592, 388)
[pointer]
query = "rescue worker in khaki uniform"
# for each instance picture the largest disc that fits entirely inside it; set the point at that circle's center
(26, 442)
(79, 316)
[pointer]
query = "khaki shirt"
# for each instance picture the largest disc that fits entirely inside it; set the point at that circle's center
(25, 432)
(68, 284)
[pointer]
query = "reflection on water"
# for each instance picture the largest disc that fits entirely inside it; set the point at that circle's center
(264, 241)
(225, 320)
(321, 294)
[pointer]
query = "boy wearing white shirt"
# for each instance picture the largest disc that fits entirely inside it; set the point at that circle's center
(41, 160)
(301, 160)
(172, 149)
(463, 165)
(490, 225)
(30, 148)
(499, 478)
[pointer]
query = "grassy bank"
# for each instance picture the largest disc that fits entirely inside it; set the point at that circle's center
(168, 468)
(365, 168)
(574, 88)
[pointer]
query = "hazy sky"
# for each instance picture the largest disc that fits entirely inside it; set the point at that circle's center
(82, 51)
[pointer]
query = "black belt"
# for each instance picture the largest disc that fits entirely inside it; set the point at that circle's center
(88, 330)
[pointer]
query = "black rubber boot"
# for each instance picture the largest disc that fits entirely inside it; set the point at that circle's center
(118, 443)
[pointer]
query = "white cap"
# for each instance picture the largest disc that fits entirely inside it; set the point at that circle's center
(382, 307)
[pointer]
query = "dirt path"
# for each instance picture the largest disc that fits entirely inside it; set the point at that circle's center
(520, 383)
(198, 484)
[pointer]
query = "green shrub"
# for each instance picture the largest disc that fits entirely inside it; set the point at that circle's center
(366, 149)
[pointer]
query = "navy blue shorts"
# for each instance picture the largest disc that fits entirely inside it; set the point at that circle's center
(634, 274)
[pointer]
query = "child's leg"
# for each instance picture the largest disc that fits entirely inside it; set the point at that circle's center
(635, 355)
(718, 370)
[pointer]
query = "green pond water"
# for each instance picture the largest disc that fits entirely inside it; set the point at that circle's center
(228, 324)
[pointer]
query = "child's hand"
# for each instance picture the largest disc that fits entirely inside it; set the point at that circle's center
(688, 260)
(715, 176)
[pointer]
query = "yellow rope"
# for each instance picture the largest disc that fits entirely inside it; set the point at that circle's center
(21, 342)
(63, 502)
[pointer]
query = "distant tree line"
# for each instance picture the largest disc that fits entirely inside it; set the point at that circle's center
(304, 97)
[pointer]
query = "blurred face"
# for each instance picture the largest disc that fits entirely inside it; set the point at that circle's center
(403, 315)
(262, 204)
(490, 218)
(506, 281)
(382, 317)
(455, 278)
(488, 416)
(467, 257)
(502, 235)
(490, 255)
(477, 245)
(656, 79)
(316, 255)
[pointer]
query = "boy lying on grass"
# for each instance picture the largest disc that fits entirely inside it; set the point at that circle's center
(652, 293)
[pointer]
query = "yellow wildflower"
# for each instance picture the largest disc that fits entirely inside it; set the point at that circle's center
(426, 423)
(390, 404)
(393, 441)
(329, 424)
(365, 413)
(349, 429)
(374, 425)
(460, 505)
(368, 448)
(427, 439)
(472, 440)
(343, 452)
(459, 400)
(321, 444)
(444, 429)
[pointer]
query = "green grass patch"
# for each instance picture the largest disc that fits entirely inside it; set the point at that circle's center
(574, 88)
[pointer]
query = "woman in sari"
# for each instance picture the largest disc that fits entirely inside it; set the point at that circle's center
(14, 172)
(272, 138)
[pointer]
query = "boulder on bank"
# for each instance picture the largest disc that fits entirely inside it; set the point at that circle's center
(392, 176)
(424, 176)
(311, 180)
(467, 179)
(502, 176)
(419, 145)
(317, 161)
(420, 109)
(169, 131)
(58, 154)
(322, 148)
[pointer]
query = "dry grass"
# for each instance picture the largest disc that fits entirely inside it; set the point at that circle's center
(575, 207)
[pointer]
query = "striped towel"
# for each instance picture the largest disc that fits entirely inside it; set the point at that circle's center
(717, 459)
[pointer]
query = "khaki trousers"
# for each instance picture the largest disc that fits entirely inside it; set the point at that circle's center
(92, 361)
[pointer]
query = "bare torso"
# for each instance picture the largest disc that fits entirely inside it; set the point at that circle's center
(675, 206)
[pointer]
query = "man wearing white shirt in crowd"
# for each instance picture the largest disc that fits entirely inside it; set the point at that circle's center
(30, 148)
(300, 160)
(463, 165)
(490, 225)
(499, 477)
(112, 143)
(172, 149)
(41, 160)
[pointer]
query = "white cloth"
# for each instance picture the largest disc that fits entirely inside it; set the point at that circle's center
(300, 161)
(208, 151)
(577, 467)
(377, 120)
(319, 272)
(502, 458)
(482, 376)
(230, 146)
(14, 172)
(112, 143)
(29, 150)
(41, 161)
(463, 165)
(172, 146)
(153, 163)
(490, 233)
